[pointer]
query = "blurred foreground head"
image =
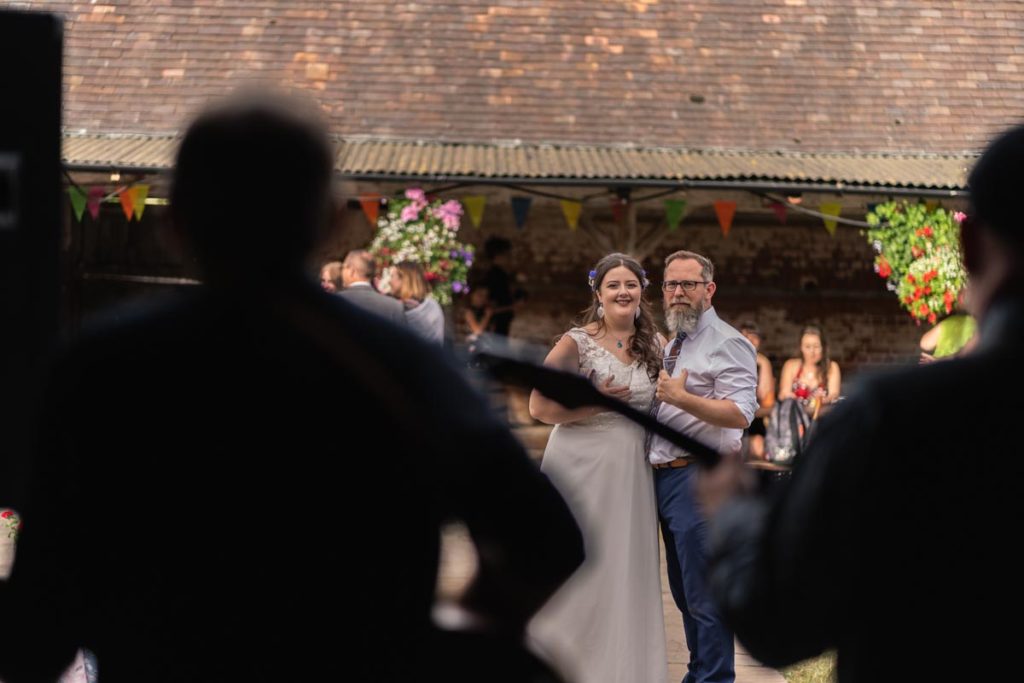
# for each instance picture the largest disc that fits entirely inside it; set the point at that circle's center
(991, 235)
(251, 193)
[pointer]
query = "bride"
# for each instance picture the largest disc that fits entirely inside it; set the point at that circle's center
(606, 624)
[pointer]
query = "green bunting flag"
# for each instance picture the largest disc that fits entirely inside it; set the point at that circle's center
(78, 200)
(674, 209)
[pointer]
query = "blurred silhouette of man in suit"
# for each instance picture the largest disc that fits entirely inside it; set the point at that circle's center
(894, 540)
(198, 510)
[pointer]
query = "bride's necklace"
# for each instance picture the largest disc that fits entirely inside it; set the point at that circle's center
(620, 341)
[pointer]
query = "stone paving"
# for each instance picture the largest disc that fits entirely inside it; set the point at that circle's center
(458, 562)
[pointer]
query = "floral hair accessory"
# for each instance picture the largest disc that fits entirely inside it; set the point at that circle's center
(591, 277)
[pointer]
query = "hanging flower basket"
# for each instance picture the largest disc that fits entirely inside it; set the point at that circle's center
(425, 232)
(918, 254)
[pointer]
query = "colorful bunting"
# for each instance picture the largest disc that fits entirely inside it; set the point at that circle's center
(571, 211)
(96, 195)
(725, 210)
(520, 209)
(780, 211)
(127, 196)
(371, 207)
(475, 206)
(674, 209)
(141, 192)
(77, 201)
(831, 209)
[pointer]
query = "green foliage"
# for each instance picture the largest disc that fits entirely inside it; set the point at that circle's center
(918, 256)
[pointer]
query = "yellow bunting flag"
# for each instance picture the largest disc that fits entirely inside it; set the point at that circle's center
(725, 210)
(831, 209)
(475, 206)
(674, 209)
(371, 207)
(78, 200)
(571, 211)
(127, 196)
(141, 192)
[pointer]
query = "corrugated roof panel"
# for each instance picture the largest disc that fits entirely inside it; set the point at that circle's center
(426, 159)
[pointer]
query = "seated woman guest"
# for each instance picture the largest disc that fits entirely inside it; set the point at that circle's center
(813, 379)
(765, 391)
(422, 312)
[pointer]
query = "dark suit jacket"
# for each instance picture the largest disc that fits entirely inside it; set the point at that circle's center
(368, 298)
(227, 485)
(896, 539)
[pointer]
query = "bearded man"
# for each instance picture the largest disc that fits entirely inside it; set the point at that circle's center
(707, 390)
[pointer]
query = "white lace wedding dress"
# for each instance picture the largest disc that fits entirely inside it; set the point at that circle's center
(606, 624)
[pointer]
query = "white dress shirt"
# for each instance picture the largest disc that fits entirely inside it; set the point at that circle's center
(722, 364)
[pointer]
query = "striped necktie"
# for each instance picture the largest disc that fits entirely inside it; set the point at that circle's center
(673, 353)
(669, 364)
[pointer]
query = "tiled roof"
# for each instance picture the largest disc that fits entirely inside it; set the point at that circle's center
(915, 76)
(403, 160)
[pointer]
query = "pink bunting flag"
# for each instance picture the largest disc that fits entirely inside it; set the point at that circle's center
(96, 195)
(780, 211)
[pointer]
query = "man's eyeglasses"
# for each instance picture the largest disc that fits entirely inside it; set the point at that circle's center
(687, 285)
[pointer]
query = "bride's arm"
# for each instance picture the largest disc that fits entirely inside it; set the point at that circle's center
(564, 356)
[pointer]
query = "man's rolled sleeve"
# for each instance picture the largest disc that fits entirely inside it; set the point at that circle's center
(736, 379)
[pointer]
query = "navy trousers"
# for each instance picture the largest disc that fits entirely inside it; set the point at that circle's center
(684, 529)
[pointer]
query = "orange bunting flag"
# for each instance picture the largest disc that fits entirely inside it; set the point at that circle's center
(141, 192)
(475, 206)
(371, 207)
(831, 209)
(571, 210)
(127, 196)
(725, 210)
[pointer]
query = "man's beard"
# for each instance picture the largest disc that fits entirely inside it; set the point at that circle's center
(684, 319)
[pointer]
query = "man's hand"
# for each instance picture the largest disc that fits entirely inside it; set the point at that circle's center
(729, 478)
(672, 390)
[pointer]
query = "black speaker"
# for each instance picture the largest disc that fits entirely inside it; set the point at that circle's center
(30, 215)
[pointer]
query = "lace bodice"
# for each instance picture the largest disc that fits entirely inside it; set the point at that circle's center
(595, 357)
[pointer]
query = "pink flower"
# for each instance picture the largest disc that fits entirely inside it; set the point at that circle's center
(959, 216)
(410, 213)
(416, 195)
(449, 213)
